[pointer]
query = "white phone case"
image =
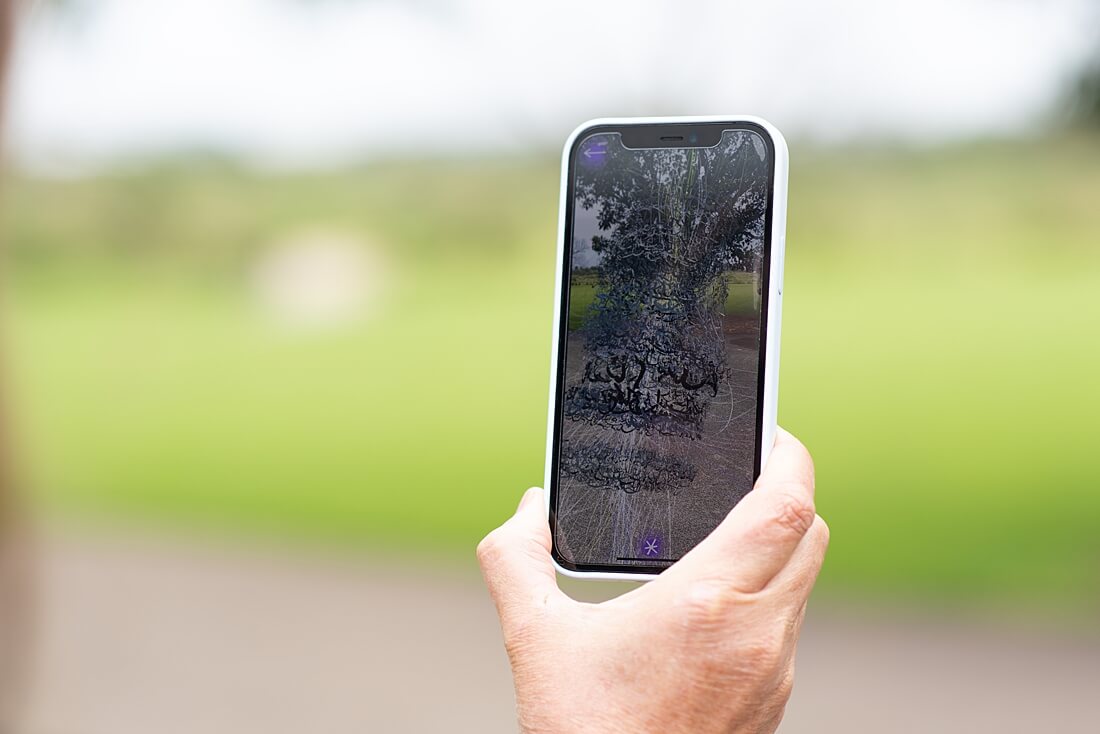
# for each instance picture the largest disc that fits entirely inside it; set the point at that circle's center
(775, 297)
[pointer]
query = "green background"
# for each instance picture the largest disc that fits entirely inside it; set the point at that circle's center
(940, 358)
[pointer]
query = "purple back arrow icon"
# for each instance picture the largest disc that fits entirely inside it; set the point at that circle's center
(593, 152)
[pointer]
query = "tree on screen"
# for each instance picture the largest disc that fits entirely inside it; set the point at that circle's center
(672, 223)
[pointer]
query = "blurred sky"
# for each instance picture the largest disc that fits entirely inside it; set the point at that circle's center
(307, 82)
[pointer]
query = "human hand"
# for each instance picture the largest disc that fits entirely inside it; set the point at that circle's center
(708, 646)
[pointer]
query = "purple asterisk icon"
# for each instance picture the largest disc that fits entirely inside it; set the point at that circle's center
(650, 546)
(593, 152)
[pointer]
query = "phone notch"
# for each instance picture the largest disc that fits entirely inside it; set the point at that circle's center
(678, 135)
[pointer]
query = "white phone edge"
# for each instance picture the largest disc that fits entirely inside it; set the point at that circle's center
(775, 299)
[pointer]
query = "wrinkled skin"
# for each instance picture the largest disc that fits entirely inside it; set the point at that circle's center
(709, 646)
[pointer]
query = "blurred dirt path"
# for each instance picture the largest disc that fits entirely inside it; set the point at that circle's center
(151, 636)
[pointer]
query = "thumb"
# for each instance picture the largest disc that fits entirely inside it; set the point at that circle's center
(515, 561)
(761, 534)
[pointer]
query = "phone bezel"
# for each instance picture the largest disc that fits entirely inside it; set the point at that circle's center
(647, 133)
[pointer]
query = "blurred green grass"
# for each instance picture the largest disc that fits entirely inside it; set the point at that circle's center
(940, 357)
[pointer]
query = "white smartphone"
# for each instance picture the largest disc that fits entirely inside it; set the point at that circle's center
(665, 365)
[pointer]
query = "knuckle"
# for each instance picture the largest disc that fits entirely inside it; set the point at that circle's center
(764, 654)
(823, 531)
(709, 606)
(490, 549)
(789, 623)
(820, 534)
(794, 510)
(785, 687)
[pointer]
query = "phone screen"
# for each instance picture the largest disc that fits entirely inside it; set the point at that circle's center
(659, 367)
